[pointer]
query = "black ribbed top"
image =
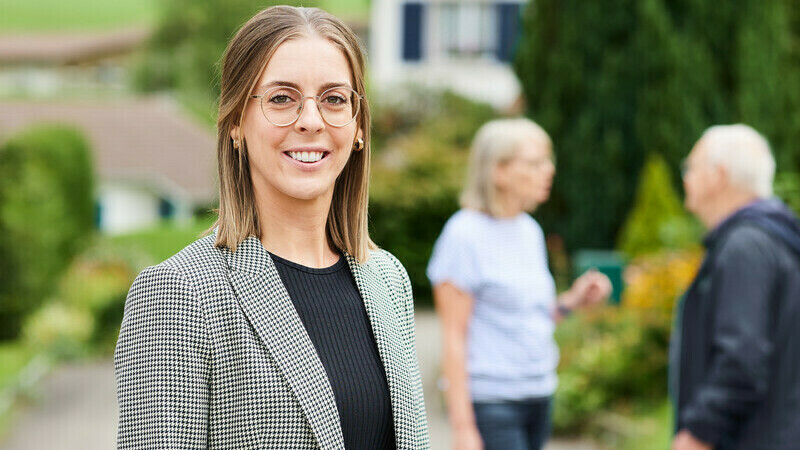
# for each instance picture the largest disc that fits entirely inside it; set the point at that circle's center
(330, 307)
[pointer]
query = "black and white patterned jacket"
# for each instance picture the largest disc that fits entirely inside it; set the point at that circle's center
(212, 354)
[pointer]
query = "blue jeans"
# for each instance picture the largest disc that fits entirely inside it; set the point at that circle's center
(514, 425)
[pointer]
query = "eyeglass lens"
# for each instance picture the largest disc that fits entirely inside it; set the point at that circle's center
(282, 105)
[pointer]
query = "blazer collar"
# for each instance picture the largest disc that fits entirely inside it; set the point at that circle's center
(266, 303)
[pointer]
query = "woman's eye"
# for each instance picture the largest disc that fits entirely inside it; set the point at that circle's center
(280, 99)
(335, 100)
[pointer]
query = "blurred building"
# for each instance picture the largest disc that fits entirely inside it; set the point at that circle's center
(151, 162)
(52, 64)
(462, 45)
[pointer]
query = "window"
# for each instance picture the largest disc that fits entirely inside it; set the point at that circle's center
(413, 15)
(455, 30)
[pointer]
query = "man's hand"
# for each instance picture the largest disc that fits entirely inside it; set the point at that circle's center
(685, 441)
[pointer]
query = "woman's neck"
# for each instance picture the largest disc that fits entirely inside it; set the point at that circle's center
(508, 206)
(296, 229)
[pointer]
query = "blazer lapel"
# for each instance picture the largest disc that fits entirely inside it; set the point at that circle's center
(266, 303)
(387, 327)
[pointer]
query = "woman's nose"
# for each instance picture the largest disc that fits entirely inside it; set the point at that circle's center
(310, 119)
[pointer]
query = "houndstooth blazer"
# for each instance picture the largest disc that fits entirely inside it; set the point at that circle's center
(212, 354)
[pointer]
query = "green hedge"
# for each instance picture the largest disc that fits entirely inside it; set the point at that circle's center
(612, 81)
(46, 215)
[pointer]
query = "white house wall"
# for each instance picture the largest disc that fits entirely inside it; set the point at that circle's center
(125, 208)
(484, 79)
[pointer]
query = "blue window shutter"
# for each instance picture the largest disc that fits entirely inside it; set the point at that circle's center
(508, 24)
(166, 210)
(98, 214)
(412, 31)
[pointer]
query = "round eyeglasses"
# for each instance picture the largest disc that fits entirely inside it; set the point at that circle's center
(282, 105)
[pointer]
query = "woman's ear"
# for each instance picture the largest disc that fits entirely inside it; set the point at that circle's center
(499, 175)
(359, 142)
(236, 137)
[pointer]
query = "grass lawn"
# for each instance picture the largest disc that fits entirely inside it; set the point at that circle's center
(13, 357)
(347, 9)
(73, 15)
(161, 242)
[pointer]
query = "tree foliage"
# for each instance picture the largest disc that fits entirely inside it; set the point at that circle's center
(612, 81)
(46, 215)
(657, 220)
(189, 42)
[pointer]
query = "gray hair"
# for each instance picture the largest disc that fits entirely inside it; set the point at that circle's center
(744, 154)
(496, 142)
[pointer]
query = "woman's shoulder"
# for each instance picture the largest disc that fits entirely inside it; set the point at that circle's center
(198, 260)
(464, 223)
(387, 262)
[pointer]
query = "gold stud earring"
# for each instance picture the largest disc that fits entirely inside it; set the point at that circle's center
(359, 145)
(236, 144)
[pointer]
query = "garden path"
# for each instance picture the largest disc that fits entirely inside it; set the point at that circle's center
(75, 406)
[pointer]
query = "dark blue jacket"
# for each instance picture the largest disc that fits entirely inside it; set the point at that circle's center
(735, 361)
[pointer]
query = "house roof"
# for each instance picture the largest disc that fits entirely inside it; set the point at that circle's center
(68, 48)
(144, 141)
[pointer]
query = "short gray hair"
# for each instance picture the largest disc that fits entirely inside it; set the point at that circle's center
(496, 142)
(744, 154)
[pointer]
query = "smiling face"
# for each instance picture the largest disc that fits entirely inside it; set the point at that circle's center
(527, 178)
(300, 161)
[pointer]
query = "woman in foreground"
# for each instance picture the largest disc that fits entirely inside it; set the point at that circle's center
(286, 327)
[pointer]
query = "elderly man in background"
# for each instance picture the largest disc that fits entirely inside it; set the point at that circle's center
(735, 352)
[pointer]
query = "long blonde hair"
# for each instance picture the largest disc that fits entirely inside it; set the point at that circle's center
(245, 59)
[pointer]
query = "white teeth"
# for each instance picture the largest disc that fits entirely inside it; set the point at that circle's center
(308, 157)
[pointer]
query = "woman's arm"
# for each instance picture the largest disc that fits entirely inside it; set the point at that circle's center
(162, 363)
(454, 308)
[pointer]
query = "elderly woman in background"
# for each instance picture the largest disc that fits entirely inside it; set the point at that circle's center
(286, 327)
(496, 298)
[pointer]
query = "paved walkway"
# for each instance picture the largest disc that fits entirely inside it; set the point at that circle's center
(76, 405)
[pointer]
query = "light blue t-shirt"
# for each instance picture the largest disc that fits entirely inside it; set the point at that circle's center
(502, 264)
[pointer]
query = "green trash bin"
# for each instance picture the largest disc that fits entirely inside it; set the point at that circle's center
(609, 262)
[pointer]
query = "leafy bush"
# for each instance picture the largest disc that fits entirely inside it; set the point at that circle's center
(787, 188)
(46, 216)
(417, 173)
(614, 357)
(657, 220)
(189, 41)
(86, 311)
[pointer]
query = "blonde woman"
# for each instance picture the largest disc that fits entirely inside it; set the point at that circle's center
(286, 327)
(496, 298)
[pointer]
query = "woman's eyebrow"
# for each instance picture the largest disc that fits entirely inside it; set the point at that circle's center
(290, 84)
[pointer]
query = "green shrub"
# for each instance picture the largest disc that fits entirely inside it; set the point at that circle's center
(657, 220)
(189, 41)
(614, 359)
(609, 357)
(417, 173)
(85, 312)
(46, 216)
(787, 188)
